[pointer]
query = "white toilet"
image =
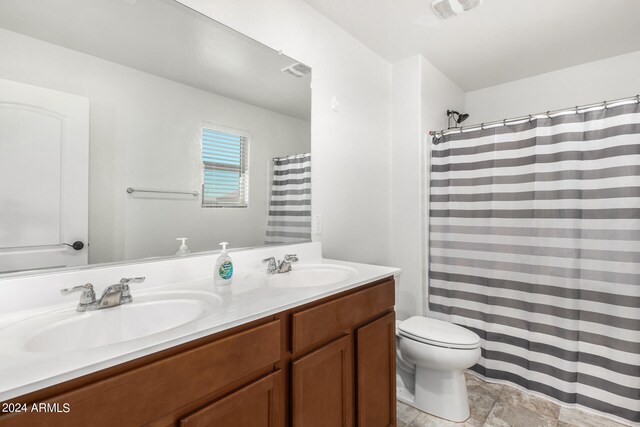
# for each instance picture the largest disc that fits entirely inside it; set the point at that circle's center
(431, 358)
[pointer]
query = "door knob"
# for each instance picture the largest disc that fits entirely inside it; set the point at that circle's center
(77, 245)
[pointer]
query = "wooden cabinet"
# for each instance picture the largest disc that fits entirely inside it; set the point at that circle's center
(376, 372)
(314, 325)
(327, 363)
(257, 405)
(326, 375)
(322, 384)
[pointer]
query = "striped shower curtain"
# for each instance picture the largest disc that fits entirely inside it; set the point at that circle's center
(290, 206)
(534, 244)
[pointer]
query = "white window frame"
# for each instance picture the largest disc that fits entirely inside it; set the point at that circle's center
(243, 169)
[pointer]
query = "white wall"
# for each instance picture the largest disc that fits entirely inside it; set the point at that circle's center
(351, 148)
(144, 132)
(607, 79)
(421, 96)
(439, 94)
(406, 206)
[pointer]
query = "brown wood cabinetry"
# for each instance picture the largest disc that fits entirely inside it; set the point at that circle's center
(327, 363)
(326, 379)
(331, 319)
(376, 362)
(257, 405)
(322, 384)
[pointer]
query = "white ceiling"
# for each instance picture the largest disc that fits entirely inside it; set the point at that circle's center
(501, 41)
(167, 39)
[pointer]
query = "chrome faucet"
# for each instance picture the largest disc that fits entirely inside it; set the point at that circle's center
(283, 266)
(112, 296)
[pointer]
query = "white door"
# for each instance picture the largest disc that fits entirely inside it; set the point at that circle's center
(44, 174)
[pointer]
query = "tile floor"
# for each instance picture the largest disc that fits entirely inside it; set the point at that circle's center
(497, 405)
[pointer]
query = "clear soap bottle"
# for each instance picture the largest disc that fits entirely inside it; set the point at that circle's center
(223, 273)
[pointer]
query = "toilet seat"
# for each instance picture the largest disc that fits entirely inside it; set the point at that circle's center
(438, 333)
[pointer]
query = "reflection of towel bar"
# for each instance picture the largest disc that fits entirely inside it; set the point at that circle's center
(193, 193)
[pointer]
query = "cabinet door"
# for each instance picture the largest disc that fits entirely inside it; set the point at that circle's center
(376, 373)
(322, 384)
(257, 405)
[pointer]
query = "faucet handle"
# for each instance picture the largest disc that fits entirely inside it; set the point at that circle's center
(273, 266)
(67, 291)
(126, 294)
(127, 280)
(87, 299)
(291, 257)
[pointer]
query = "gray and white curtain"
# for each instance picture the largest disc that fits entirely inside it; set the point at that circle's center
(290, 206)
(534, 244)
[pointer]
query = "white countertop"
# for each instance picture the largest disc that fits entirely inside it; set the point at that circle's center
(243, 301)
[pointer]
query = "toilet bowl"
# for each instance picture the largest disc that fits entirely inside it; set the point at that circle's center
(405, 371)
(431, 358)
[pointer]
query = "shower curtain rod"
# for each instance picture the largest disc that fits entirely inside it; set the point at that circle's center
(548, 114)
(293, 156)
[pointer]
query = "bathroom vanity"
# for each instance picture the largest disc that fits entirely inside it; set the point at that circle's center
(326, 358)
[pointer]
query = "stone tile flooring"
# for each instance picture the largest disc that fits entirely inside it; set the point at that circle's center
(497, 405)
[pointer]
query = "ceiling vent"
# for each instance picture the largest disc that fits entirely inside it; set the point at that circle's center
(450, 8)
(297, 70)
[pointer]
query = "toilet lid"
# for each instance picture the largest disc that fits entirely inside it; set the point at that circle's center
(437, 332)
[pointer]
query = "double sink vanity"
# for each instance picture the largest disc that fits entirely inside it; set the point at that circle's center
(314, 346)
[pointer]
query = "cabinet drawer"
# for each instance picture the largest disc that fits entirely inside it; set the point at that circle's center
(257, 405)
(333, 318)
(143, 394)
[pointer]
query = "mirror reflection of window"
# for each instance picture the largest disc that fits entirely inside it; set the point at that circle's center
(225, 164)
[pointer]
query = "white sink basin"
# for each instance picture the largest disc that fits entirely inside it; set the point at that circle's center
(67, 330)
(306, 275)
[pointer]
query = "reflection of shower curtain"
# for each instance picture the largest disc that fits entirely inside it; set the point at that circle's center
(290, 206)
(534, 238)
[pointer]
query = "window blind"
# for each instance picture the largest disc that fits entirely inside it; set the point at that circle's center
(225, 169)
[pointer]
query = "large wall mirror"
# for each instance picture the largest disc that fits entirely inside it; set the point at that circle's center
(127, 124)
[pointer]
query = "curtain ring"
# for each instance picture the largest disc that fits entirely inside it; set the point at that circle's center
(481, 126)
(638, 99)
(548, 116)
(504, 122)
(530, 117)
(577, 109)
(605, 104)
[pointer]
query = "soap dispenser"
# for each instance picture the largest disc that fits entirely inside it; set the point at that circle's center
(183, 250)
(224, 267)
